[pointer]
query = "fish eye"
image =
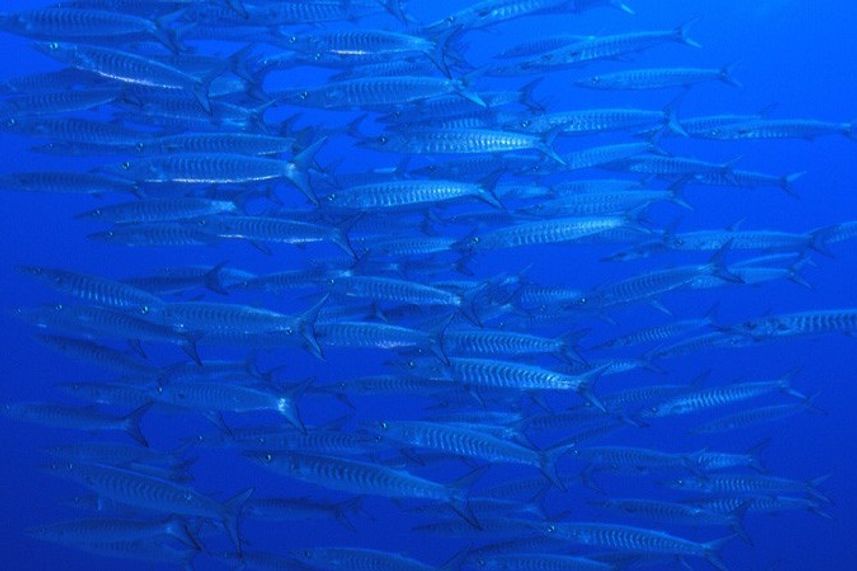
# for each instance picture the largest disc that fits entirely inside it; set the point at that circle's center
(293, 39)
(304, 95)
(595, 79)
(383, 140)
(139, 146)
(551, 528)
(525, 123)
(12, 122)
(384, 425)
(53, 46)
(268, 457)
(450, 19)
(145, 309)
(125, 166)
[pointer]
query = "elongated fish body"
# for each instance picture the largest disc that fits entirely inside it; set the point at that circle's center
(152, 551)
(215, 318)
(224, 397)
(513, 376)
(657, 165)
(296, 509)
(720, 396)
(154, 494)
(113, 453)
(98, 135)
(715, 461)
(659, 333)
(461, 142)
(218, 143)
(490, 12)
(112, 530)
(394, 290)
(276, 230)
(282, 13)
(657, 78)
(198, 168)
(66, 183)
(634, 540)
(747, 179)
(543, 232)
(127, 68)
(112, 394)
(541, 562)
(358, 42)
(76, 418)
(160, 210)
(759, 129)
(352, 476)
(380, 91)
(48, 103)
(603, 47)
(715, 339)
(624, 457)
(288, 280)
(98, 354)
(458, 441)
(646, 286)
(100, 323)
(760, 504)
(96, 290)
(405, 193)
(801, 323)
(416, 247)
(591, 121)
(541, 45)
(708, 240)
(361, 334)
(752, 417)
(753, 484)
(154, 234)
(594, 203)
(668, 512)
(495, 342)
(314, 441)
(603, 155)
(357, 558)
(71, 23)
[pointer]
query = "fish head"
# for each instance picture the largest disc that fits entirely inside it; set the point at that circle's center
(594, 81)
(59, 468)
(61, 51)
(103, 236)
(379, 143)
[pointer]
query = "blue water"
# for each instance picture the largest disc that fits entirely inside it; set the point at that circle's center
(795, 55)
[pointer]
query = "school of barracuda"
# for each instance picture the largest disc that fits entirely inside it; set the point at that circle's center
(396, 173)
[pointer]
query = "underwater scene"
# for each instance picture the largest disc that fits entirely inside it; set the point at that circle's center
(398, 285)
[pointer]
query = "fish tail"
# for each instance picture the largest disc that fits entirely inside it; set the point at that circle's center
(570, 349)
(787, 183)
(298, 167)
(727, 75)
(132, 423)
(213, 279)
(342, 510)
(231, 515)
(545, 146)
(586, 384)
(306, 327)
(526, 98)
(681, 33)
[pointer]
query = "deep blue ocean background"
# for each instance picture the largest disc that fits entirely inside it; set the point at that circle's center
(796, 55)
